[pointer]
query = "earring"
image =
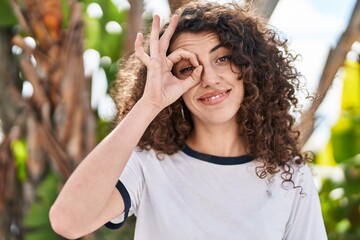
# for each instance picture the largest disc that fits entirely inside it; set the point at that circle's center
(182, 112)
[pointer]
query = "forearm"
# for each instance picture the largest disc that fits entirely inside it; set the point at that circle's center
(86, 193)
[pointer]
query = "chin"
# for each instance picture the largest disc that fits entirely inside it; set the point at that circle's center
(219, 119)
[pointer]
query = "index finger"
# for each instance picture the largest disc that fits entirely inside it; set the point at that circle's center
(180, 54)
(166, 37)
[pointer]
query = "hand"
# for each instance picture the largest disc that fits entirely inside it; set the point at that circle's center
(162, 88)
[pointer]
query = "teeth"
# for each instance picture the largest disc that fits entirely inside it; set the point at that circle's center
(214, 97)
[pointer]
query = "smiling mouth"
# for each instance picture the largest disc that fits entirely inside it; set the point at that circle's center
(215, 98)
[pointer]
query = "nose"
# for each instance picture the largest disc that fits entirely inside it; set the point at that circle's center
(209, 76)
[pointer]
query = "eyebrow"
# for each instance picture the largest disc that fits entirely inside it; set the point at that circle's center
(216, 48)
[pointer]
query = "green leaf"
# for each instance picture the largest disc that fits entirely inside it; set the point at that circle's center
(43, 234)
(112, 46)
(346, 136)
(351, 90)
(103, 129)
(96, 35)
(36, 220)
(66, 13)
(7, 17)
(111, 72)
(326, 156)
(346, 132)
(343, 225)
(19, 150)
(92, 33)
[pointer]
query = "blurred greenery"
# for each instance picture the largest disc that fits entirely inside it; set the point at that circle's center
(7, 17)
(19, 150)
(36, 221)
(340, 196)
(98, 38)
(340, 202)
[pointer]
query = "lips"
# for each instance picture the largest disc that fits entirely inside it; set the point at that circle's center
(214, 97)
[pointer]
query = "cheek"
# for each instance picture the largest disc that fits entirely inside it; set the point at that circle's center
(241, 86)
(240, 91)
(189, 97)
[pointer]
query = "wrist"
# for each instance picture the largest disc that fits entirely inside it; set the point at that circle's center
(148, 108)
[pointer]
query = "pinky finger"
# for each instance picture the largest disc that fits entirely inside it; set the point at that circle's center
(139, 50)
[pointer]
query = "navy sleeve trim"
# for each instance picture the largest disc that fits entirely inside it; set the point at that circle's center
(127, 202)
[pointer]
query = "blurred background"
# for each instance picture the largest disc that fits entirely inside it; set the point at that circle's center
(58, 60)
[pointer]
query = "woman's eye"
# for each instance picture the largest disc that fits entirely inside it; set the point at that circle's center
(187, 71)
(223, 59)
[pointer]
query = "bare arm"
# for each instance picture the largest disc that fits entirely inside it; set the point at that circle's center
(89, 198)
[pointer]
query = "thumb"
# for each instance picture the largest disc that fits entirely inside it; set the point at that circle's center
(193, 79)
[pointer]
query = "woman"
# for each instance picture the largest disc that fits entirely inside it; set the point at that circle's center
(205, 146)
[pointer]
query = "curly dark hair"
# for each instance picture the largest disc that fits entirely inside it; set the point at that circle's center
(270, 81)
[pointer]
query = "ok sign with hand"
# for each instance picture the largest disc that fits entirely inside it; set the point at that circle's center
(162, 87)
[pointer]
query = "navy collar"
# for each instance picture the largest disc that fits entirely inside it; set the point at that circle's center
(216, 159)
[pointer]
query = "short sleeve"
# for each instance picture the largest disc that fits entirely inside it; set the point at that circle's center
(130, 186)
(119, 221)
(306, 221)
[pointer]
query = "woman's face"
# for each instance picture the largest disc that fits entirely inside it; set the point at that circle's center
(218, 96)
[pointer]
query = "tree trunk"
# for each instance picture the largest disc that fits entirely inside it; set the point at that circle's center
(10, 187)
(134, 25)
(265, 7)
(335, 60)
(175, 4)
(9, 75)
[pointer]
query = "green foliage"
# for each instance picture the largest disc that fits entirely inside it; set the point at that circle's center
(110, 71)
(66, 13)
(108, 44)
(93, 33)
(341, 202)
(103, 128)
(351, 91)
(346, 136)
(19, 150)
(346, 132)
(126, 232)
(36, 221)
(96, 36)
(340, 199)
(7, 17)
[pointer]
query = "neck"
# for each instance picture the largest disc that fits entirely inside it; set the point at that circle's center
(219, 140)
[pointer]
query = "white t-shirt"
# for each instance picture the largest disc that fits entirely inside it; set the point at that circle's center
(190, 195)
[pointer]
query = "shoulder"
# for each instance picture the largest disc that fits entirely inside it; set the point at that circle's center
(301, 178)
(147, 157)
(302, 173)
(142, 154)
